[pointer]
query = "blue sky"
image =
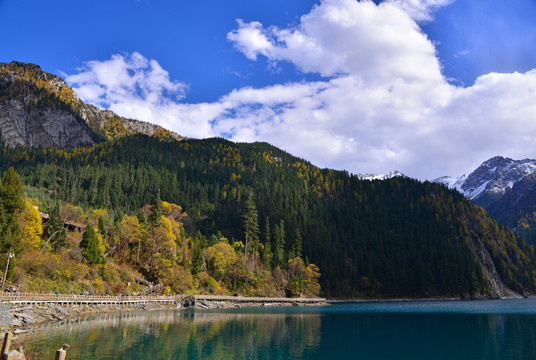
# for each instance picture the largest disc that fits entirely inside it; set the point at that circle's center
(428, 87)
(187, 38)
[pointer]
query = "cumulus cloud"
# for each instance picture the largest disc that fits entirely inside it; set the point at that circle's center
(345, 36)
(383, 104)
(109, 82)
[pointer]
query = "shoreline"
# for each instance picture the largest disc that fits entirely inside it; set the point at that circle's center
(21, 319)
(24, 318)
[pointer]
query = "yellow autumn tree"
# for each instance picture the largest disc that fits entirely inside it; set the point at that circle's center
(130, 234)
(220, 258)
(30, 224)
(159, 250)
(302, 280)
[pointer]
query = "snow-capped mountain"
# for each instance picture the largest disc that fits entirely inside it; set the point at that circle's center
(452, 182)
(506, 188)
(491, 180)
(389, 175)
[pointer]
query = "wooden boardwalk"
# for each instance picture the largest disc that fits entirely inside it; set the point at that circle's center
(70, 300)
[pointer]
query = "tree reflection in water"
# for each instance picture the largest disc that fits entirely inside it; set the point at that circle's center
(182, 335)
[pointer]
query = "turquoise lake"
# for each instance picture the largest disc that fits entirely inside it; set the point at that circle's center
(490, 329)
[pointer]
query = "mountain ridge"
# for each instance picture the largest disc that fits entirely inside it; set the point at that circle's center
(506, 188)
(39, 109)
(493, 178)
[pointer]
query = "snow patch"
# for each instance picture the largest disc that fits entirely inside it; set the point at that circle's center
(389, 175)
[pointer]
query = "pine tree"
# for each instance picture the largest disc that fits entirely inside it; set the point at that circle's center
(90, 246)
(142, 218)
(251, 228)
(11, 192)
(11, 203)
(102, 227)
(279, 250)
(267, 248)
(197, 258)
(296, 250)
(156, 211)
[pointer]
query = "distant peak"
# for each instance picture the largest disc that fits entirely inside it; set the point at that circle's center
(389, 175)
(493, 177)
(494, 161)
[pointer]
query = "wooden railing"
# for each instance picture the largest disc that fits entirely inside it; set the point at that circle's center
(10, 297)
(39, 297)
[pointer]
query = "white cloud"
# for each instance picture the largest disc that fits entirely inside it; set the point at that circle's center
(420, 10)
(383, 105)
(108, 83)
(346, 36)
(250, 39)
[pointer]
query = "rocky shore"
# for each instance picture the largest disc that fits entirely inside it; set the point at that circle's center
(23, 318)
(20, 319)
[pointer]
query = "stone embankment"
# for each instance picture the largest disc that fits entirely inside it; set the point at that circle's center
(19, 312)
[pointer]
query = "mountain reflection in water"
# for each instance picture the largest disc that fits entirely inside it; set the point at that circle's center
(440, 330)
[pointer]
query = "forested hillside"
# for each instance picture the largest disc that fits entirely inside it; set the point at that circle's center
(75, 250)
(398, 237)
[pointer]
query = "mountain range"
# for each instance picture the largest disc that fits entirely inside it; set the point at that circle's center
(371, 236)
(506, 188)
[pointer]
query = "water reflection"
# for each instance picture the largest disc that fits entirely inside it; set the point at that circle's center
(182, 335)
(336, 332)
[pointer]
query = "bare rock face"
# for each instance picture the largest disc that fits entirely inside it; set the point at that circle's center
(45, 127)
(495, 284)
(38, 109)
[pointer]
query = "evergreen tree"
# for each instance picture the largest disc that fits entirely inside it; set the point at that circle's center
(90, 246)
(102, 227)
(267, 231)
(251, 228)
(200, 239)
(279, 250)
(197, 259)
(267, 246)
(296, 250)
(156, 211)
(11, 203)
(142, 218)
(11, 192)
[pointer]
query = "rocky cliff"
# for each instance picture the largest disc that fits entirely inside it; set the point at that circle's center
(46, 127)
(38, 109)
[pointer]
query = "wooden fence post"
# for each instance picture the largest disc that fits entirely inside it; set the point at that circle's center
(11, 355)
(61, 354)
(7, 343)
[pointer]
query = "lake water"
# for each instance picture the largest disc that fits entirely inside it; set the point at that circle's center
(491, 329)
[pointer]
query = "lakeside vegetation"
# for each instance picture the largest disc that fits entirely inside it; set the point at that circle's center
(123, 254)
